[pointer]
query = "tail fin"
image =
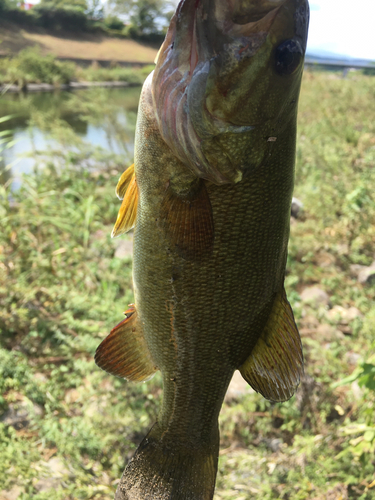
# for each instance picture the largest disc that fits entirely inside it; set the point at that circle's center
(166, 470)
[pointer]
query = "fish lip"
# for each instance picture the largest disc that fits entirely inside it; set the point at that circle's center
(203, 27)
(179, 82)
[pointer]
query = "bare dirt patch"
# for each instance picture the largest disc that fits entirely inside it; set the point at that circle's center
(82, 46)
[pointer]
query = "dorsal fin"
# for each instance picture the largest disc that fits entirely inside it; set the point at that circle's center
(275, 365)
(188, 222)
(124, 353)
(128, 210)
(124, 181)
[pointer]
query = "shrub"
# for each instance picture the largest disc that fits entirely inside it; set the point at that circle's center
(69, 18)
(113, 23)
(31, 66)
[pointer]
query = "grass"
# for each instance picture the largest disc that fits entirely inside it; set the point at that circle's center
(80, 46)
(68, 429)
(31, 66)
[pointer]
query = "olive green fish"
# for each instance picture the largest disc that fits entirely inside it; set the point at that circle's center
(209, 197)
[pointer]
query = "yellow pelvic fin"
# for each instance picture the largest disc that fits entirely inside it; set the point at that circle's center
(124, 353)
(188, 222)
(124, 181)
(128, 210)
(275, 365)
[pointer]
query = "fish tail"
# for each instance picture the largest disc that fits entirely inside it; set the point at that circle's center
(165, 469)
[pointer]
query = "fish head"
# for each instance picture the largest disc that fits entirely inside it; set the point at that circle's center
(227, 81)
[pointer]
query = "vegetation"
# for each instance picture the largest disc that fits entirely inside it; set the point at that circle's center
(145, 19)
(30, 66)
(67, 429)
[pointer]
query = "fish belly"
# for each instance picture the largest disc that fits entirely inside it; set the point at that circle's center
(202, 319)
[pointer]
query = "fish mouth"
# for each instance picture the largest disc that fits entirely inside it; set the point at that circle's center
(206, 25)
(210, 43)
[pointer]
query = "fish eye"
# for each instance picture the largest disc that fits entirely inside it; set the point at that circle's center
(288, 56)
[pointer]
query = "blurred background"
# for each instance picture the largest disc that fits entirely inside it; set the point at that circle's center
(70, 79)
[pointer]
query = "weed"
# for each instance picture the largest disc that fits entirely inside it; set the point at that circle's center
(62, 289)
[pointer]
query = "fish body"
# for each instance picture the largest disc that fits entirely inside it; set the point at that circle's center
(209, 196)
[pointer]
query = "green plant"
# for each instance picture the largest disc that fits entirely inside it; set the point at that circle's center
(31, 66)
(362, 442)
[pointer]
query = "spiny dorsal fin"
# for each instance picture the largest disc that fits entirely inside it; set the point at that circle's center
(124, 181)
(128, 210)
(124, 353)
(275, 365)
(188, 222)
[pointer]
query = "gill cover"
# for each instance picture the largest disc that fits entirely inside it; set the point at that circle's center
(224, 81)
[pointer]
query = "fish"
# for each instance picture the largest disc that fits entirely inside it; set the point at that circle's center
(209, 198)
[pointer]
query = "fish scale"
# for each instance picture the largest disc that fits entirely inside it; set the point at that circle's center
(209, 197)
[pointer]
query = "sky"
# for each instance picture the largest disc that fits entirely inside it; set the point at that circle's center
(343, 27)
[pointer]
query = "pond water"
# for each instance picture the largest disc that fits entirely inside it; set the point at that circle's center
(101, 120)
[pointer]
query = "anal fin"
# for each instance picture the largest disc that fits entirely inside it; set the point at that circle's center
(188, 222)
(275, 365)
(124, 353)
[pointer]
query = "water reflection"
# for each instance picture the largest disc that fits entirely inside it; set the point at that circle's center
(95, 119)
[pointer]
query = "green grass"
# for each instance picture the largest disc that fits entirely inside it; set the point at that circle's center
(30, 66)
(62, 289)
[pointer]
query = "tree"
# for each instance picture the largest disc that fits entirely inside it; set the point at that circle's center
(145, 17)
(80, 5)
(95, 9)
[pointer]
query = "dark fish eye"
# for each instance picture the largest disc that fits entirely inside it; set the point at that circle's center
(288, 56)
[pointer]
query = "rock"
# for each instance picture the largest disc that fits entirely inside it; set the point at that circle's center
(275, 444)
(364, 274)
(324, 259)
(296, 208)
(343, 249)
(309, 321)
(328, 333)
(238, 387)
(72, 395)
(19, 414)
(52, 473)
(352, 313)
(356, 390)
(355, 269)
(353, 358)
(16, 415)
(124, 249)
(338, 492)
(40, 377)
(367, 275)
(315, 296)
(12, 494)
(56, 466)
(342, 317)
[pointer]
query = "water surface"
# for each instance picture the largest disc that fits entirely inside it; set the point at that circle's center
(101, 120)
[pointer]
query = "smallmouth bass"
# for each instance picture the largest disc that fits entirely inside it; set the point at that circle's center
(209, 197)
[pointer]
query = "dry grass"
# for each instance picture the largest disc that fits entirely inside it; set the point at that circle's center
(82, 46)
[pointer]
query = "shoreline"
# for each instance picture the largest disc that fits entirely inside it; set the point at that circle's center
(47, 87)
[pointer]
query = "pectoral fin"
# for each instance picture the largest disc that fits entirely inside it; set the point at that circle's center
(126, 187)
(275, 365)
(124, 181)
(188, 222)
(124, 353)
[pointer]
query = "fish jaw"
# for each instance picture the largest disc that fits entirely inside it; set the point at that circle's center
(225, 77)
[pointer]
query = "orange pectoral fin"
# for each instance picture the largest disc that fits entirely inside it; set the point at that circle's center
(124, 182)
(275, 365)
(128, 210)
(124, 353)
(188, 222)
